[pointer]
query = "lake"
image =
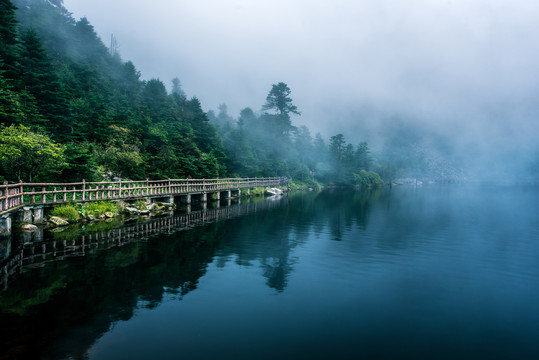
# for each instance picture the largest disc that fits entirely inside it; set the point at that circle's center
(429, 272)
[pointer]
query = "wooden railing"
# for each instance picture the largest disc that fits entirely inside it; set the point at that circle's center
(15, 195)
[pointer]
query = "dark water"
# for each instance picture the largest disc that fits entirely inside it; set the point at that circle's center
(437, 272)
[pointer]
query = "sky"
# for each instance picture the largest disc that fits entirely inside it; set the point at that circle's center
(459, 66)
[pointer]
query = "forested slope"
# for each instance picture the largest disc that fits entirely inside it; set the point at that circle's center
(72, 109)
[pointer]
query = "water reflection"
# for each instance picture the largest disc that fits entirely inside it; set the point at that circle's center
(63, 290)
(437, 272)
(62, 293)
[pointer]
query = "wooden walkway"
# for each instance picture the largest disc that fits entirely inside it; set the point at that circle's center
(13, 196)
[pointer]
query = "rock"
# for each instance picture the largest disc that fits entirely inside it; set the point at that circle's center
(273, 191)
(91, 217)
(109, 214)
(132, 210)
(58, 221)
(144, 212)
(29, 227)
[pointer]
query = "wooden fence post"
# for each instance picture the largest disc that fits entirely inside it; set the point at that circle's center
(3, 204)
(83, 190)
(22, 193)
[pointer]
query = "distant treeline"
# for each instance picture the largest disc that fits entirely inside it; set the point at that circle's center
(71, 109)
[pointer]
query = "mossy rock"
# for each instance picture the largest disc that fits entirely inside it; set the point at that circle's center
(58, 221)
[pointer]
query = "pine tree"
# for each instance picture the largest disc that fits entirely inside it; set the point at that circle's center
(39, 79)
(9, 45)
(16, 106)
(279, 100)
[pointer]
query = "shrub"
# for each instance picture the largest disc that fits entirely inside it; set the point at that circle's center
(98, 208)
(257, 191)
(140, 204)
(368, 179)
(69, 212)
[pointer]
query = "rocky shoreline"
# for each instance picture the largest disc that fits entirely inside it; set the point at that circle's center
(125, 209)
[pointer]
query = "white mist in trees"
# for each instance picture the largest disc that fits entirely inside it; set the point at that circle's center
(177, 88)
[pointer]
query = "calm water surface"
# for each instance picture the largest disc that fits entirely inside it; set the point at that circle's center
(435, 272)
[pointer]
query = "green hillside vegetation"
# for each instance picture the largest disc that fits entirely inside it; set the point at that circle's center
(93, 118)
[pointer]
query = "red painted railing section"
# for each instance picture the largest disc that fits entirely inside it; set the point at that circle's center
(15, 195)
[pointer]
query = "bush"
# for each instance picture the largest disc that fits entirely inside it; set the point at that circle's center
(259, 191)
(140, 204)
(368, 179)
(69, 212)
(303, 185)
(98, 208)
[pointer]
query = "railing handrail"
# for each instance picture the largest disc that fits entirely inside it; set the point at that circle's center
(13, 195)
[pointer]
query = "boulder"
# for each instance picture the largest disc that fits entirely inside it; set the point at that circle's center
(273, 191)
(132, 210)
(58, 221)
(168, 206)
(109, 214)
(29, 227)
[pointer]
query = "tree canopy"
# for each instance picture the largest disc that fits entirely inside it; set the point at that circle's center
(77, 110)
(24, 153)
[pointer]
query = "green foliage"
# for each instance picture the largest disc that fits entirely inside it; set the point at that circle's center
(259, 191)
(39, 79)
(140, 204)
(98, 208)
(278, 99)
(81, 163)
(27, 155)
(368, 179)
(9, 46)
(59, 79)
(68, 211)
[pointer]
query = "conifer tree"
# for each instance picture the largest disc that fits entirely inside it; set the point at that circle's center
(16, 106)
(39, 78)
(9, 45)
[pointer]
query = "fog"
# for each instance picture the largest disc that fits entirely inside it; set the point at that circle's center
(466, 70)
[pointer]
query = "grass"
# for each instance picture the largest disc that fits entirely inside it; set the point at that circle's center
(259, 191)
(140, 204)
(98, 208)
(68, 211)
(74, 211)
